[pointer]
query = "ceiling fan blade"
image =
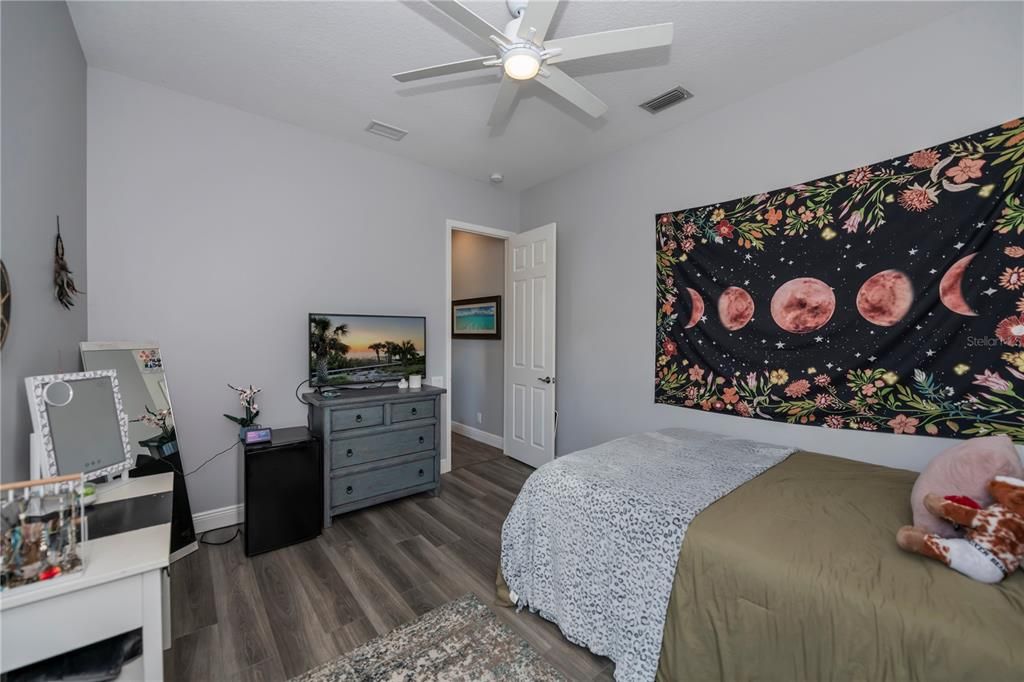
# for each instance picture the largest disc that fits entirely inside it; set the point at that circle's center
(473, 64)
(469, 19)
(537, 18)
(503, 104)
(562, 84)
(610, 42)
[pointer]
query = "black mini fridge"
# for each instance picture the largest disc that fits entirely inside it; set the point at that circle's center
(284, 490)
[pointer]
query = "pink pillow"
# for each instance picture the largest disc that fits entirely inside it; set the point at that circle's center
(963, 469)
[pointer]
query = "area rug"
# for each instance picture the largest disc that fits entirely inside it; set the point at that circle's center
(462, 640)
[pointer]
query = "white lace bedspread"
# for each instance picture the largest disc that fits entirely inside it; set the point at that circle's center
(593, 539)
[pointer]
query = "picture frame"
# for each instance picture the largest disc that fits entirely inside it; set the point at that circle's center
(477, 318)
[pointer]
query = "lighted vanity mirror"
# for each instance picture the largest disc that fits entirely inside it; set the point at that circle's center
(80, 425)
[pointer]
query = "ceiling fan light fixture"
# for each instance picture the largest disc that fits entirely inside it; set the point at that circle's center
(521, 63)
(525, 50)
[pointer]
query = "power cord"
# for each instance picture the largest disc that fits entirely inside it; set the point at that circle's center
(227, 449)
(297, 396)
(179, 472)
(204, 541)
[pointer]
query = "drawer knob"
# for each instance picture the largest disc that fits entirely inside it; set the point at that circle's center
(421, 439)
(421, 473)
(349, 452)
(414, 410)
(348, 490)
(359, 418)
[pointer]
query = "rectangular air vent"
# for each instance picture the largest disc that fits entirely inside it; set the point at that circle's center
(384, 130)
(666, 99)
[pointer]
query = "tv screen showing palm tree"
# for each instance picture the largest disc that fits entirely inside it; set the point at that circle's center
(365, 349)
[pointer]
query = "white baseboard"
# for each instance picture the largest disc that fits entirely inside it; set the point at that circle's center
(213, 519)
(485, 437)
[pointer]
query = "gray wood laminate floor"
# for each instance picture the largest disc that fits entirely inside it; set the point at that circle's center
(467, 452)
(279, 614)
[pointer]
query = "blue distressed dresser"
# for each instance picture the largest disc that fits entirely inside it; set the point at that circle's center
(379, 444)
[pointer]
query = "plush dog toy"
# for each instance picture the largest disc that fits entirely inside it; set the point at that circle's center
(994, 544)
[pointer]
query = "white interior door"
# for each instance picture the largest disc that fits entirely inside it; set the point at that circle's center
(530, 346)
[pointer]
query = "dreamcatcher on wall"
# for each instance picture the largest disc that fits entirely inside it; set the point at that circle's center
(64, 288)
(889, 297)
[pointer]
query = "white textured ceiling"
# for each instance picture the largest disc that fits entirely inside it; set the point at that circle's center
(327, 66)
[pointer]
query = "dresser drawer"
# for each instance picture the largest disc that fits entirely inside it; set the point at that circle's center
(345, 489)
(403, 412)
(357, 417)
(350, 451)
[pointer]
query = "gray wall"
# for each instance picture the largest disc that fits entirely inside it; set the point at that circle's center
(478, 269)
(43, 174)
(215, 232)
(886, 100)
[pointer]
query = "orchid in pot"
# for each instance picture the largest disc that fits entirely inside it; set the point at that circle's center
(247, 398)
(164, 443)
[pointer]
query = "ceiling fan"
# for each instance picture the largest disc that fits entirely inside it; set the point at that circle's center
(524, 53)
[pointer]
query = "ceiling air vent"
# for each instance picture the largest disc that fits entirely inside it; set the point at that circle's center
(384, 130)
(666, 99)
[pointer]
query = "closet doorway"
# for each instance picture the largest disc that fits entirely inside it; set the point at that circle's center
(475, 343)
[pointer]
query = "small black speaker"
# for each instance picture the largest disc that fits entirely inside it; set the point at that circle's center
(284, 489)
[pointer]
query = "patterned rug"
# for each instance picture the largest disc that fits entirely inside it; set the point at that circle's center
(462, 640)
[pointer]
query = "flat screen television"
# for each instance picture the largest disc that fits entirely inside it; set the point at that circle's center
(357, 350)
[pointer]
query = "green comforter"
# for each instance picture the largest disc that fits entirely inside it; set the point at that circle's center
(796, 576)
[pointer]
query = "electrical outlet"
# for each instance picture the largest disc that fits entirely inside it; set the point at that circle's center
(437, 381)
(479, 418)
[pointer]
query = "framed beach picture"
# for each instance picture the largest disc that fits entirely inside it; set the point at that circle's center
(477, 318)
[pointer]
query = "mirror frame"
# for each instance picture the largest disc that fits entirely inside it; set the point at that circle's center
(36, 388)
(134, 346)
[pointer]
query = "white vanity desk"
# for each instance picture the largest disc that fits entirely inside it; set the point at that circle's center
(122, 588)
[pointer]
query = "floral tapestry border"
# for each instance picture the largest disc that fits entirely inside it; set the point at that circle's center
(886, 298)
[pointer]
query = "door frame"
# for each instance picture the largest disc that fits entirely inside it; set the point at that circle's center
(450, 227)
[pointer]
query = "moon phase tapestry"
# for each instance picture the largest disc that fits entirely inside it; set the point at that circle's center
(886, 298)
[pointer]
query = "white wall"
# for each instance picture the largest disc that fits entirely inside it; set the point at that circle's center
(956, 76)
(44, 168)
(478, 373)
(215, 232)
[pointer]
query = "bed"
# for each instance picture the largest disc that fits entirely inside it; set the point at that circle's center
(793, 574)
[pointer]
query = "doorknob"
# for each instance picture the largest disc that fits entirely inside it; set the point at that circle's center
(547, 380)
